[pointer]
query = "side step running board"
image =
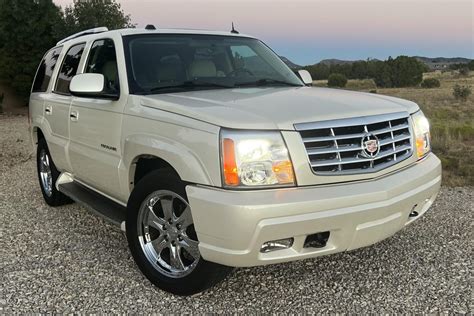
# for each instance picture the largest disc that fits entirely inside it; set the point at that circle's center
(95, 202)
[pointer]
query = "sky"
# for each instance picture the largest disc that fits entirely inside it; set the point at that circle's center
(307, 31)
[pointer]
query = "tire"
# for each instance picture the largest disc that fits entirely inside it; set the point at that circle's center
(48, 175)
(160, 190)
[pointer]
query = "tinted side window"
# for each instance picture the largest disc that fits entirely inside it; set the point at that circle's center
(103, 60)
(45, 70)
(69, 68)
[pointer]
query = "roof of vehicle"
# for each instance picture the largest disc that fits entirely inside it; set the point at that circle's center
(131, 31)
(137, 31)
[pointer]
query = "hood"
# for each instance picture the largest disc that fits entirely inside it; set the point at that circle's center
(275, 108)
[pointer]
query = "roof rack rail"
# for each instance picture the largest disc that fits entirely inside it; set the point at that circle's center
(83, 33)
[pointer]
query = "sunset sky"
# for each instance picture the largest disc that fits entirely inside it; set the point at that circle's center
(307, 31)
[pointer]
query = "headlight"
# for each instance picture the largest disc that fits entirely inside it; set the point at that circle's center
(255, 158)
(422, 134)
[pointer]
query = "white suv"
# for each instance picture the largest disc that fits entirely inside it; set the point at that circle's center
(211, 153)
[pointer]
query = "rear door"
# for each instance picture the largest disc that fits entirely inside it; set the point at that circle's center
(41, 86)
(95, 146)
(56, 107)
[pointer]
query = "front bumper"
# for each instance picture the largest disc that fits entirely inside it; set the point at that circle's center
(233, 225)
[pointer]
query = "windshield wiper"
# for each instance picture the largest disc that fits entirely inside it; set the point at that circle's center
(191, 85)
(267, 82)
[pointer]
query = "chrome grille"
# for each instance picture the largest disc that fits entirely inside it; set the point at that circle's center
(336, 147)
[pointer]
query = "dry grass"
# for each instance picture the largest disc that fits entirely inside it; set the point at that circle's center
(452, 121)
(452, 125)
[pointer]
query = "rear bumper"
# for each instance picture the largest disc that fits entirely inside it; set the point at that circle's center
(233, 225)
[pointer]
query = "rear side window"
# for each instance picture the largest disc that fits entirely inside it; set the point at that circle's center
(69, 68)
(45, 70)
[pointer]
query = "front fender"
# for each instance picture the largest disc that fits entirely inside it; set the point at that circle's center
(192, 155)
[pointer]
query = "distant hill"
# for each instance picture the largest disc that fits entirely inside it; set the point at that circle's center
(290, 64)
(432, 63)
(457, 60)
(442, 62)
(334, 61)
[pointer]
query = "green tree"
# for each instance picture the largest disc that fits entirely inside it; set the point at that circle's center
(83, 15)
(406, 71)
(382, 74)
(459, 66)
(359, 70)
(470, 65)
(345, 69)
(28, 28)
(318, 71)
(372, 68)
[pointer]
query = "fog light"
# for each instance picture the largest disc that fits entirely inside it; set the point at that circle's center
(275, 245)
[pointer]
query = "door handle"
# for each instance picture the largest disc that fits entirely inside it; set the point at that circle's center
(74, 116)
(48, 110)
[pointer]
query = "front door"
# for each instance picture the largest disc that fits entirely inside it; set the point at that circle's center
(95, 126)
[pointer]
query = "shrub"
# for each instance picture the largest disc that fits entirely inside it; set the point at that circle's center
(464, 71)
(337, 80)
(461, 92)
(373, 91)
(2, 96)
(430, 83)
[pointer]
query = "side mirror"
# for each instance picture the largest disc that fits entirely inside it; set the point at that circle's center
(90, 86)
(305, 77)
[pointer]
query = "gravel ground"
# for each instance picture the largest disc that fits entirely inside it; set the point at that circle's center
(67, 260)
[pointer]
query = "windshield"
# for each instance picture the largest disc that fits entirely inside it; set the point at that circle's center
(163, 63)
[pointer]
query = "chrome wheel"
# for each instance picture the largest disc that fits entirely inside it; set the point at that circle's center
(45, 173)
(166, 234)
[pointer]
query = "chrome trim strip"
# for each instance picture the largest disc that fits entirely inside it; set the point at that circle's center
(364, 171)
(394, 140)
(332, 138)
(329, 150)
(345, 161)
(362, 120)
(349, 136)
(389, 129)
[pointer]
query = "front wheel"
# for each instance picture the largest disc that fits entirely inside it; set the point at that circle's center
(162, 239)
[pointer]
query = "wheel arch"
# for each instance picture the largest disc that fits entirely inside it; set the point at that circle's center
(144, 153)
(36, 134)
(144, 164)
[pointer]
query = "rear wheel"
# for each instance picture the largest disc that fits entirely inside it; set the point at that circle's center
(162, 239)
(48, 175)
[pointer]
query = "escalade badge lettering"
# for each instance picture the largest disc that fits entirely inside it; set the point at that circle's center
(370, 146)
(108, 147)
